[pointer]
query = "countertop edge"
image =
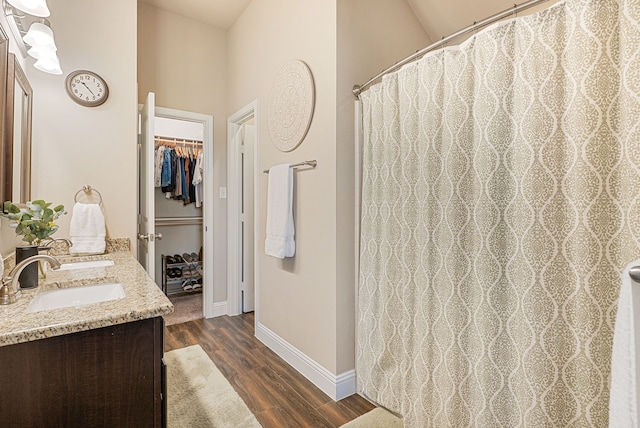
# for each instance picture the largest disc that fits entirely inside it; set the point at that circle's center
(143, 299)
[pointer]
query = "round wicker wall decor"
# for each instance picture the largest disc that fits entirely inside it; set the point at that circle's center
(291, 104)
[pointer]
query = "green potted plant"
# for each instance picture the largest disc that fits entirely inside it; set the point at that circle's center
(35, 222)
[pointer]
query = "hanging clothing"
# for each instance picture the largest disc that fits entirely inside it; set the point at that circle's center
(159, 162)
(167, 172)
(197, 179)
(179, 174)
(192, 167)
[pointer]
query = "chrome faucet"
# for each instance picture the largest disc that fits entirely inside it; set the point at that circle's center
(52, 241)
(10, 290)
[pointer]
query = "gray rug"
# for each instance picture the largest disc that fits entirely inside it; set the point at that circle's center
(198, 395)
(376, 418)
(185, 308)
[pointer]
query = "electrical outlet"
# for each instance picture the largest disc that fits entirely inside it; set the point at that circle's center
(223, 193)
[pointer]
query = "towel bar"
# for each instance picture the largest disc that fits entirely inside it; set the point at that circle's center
(634, 273)
(88, 189)
(311, 163)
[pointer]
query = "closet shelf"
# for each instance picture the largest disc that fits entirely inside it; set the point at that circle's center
(178, 221)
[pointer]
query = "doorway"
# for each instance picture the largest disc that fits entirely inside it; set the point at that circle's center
(150, 226)
(242, 161)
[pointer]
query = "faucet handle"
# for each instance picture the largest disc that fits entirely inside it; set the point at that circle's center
(7, 296)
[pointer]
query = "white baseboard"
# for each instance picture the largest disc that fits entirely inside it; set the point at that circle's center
(219, 309)
(336, 387)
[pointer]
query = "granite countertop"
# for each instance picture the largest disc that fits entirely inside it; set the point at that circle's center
(143, 299)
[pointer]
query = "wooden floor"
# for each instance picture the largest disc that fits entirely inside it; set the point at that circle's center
(276, 393)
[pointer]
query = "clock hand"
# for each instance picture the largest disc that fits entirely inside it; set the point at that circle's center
(85, 85)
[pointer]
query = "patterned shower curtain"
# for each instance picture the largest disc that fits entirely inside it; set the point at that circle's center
(500, 204)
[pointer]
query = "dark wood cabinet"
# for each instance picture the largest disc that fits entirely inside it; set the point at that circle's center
(106, 377)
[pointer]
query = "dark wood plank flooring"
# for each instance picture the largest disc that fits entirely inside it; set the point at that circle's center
(277, 394)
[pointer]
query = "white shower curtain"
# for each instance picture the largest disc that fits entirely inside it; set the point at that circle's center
(500, 202)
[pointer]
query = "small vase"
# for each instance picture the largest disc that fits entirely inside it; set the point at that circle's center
(29, 276)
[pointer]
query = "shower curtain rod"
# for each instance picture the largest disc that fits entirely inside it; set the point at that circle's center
(358, 89)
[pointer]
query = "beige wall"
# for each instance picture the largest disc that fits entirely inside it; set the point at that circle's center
(295, 297)
(74, 145)
(184, 62)
(309, 300)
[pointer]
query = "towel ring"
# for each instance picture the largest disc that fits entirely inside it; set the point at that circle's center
(88, 189)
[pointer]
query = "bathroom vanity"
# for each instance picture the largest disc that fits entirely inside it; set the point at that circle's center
(96, 364)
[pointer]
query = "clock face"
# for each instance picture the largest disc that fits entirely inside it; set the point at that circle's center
(87, 88)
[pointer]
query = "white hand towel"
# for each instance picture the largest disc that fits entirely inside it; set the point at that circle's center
(87, 229)
(623, 407)
(280, 241)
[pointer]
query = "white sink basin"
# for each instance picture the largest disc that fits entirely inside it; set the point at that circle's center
(86, 265)
(76, 296)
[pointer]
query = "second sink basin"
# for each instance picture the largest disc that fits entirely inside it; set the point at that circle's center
(86, 264)
(75, 296)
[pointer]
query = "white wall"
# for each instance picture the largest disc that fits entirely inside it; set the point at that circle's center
(74, 145)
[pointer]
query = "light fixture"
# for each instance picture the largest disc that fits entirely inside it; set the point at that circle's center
(48, 63)
(40, 35)
(38, 52)
(32, 7)
(33, 33)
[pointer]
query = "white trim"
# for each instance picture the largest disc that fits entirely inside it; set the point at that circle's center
(219, 309)
(234, 123)
(208, 306)
(335, 386)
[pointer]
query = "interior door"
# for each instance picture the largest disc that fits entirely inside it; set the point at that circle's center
(248, 287)
(146, 202)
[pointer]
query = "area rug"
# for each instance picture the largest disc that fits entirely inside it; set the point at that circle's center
(198, 395)
(376, 418)
(185, 308)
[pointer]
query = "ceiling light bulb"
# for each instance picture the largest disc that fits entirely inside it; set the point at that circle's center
(32, 7)
(39, 35)
(38, 52)
(49, 64)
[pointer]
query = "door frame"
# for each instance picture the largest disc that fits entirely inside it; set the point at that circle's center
(207, 205)
(234, 122)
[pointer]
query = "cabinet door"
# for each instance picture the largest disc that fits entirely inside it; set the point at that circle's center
(108, 377)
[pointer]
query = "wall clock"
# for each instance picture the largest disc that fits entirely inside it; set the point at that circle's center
(87, 88)
(291, 105)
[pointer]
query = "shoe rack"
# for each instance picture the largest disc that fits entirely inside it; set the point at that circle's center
(185, 269)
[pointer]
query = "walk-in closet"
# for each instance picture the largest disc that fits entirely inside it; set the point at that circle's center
(179, 196)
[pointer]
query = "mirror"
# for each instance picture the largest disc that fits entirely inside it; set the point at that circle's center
(17, 135)
(4, 55)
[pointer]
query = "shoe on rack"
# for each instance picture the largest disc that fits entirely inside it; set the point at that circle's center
(195, 258)
(187, 259)
(171, 273)
(169, 260)
(178, 272)
(186, 285)
(197, 285)
(177, 258)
